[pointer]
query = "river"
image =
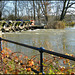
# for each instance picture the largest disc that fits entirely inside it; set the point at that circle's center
(58, 40)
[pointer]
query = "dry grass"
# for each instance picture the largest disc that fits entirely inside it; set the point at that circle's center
(56, 25)
(70, 24)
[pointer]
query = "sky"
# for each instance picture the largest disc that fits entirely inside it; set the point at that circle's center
(11, 7)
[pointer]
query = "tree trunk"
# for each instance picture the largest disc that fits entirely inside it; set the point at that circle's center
(62, 14)
(66, 8)
(16, 9)
(34, 9)
(0, 15)
(46, 16)
(38, 12)
(0, 9)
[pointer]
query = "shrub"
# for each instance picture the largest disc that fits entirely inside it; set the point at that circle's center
(70, 24)
(56, 25)
(11, 17)
(0, 23)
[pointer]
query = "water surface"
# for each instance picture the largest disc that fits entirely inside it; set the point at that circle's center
(59, 40)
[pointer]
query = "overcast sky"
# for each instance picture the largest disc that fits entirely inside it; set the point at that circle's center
(10, 6)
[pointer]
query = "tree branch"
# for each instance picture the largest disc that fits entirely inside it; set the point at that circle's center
(71, 5)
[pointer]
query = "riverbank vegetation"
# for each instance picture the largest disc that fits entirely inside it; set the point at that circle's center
(70, 24)
(47, 12)
(56, 25)
(50, 25)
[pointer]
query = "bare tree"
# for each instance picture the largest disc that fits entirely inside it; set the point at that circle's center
(66, 5)
(38, 11)
(34, 9)
(15, 3)
(2, 5)
(44, 9)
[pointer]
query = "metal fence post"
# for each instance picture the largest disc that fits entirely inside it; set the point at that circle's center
(0, 54)
(0, 44)
(41, 60)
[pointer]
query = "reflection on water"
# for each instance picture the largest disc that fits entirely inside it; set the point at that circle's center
(59, 40)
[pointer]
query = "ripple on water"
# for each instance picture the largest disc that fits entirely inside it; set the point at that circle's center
(55, 39)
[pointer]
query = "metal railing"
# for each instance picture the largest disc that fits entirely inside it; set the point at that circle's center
(41, 50)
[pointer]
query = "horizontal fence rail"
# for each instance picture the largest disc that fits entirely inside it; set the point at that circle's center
(41, 50)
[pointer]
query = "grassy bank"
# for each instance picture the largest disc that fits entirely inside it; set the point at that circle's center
(70, 24)
(56, 25)
(59, 24)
